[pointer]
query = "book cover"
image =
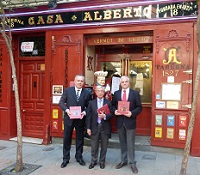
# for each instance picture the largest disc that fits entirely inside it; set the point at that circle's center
(123, 107)
(183, 121)
(104, 109)
(170, 120)
(170, 133)
(182, 134)
(55, 113)
(158, 132)
(75, 112)
(158, 120)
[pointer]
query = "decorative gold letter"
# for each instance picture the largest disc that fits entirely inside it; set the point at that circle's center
(40, 20)
(50, 19)
(58, 19)
(171, 55)
(31, 21)
(107, 14)
(87, 17)
(117, 14)
(96, 14)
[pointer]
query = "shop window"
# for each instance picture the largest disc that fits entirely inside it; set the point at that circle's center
(140, 73)
(32, 46)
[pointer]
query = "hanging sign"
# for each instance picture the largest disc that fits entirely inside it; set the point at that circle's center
(27, 46)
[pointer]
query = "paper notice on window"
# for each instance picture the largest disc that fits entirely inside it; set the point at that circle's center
(171, 91)
(139, 83)
(115, 84)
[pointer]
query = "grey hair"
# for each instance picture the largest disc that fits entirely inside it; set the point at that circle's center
(124, 76)
(79, 75)
(100, 87)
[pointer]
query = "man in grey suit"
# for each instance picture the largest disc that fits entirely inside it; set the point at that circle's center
(74, 96)
(126, 123)
(99, 126)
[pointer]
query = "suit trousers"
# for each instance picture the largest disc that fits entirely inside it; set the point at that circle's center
(127, 144)
(95, 139)
(68, 130)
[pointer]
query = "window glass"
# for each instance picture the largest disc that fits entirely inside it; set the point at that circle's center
(32, 46)
(140, 73)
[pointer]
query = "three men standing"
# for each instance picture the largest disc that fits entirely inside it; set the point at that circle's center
(98, 124)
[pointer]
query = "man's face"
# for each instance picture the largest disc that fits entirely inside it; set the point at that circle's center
(101, 81)
(79, 82)
(124, 83)
(99, 92)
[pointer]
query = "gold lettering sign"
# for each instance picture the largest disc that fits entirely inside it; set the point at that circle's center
(119, 40)
(41, 21)
(172, 56)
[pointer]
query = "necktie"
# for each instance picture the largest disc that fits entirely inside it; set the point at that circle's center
(99, 106)
(77, 95)
(124, 95)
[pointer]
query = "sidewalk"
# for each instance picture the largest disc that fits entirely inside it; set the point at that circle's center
(50, 158)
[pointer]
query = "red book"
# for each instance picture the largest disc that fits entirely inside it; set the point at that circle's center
(75, 112)
(104, 109)
(123, 107)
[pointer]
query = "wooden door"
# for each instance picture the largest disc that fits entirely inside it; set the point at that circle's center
(32, 97)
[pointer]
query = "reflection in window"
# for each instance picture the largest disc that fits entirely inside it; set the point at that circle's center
(111, 67)
(140, 78)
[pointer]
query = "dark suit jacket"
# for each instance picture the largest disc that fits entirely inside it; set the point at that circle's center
(92, 117)
(135, 108)
(69, 98)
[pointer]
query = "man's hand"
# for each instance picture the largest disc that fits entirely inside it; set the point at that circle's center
(89, 132)
(128, 114)
(101, 115)
(68, 112)
(117, 113)
(82, 115)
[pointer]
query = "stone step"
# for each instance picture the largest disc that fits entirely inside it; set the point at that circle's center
(142, 143)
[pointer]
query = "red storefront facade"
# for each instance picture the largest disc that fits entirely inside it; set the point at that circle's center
(153, 43)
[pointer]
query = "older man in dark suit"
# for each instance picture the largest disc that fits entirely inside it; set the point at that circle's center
(74, 96)
(126, 123)
(99, 126)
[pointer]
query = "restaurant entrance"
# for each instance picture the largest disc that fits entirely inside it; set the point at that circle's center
(132, 59)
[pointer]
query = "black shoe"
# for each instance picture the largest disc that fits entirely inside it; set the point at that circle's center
(81, 161)
(120, 165)
(102, 165)
(64, 164)
(92, 165)
(134, 169)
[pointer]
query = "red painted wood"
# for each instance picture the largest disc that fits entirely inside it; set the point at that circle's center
(32, 98)
(172, 37)
(5, 93)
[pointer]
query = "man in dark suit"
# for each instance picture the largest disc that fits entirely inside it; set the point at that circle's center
(126, 123)
(74, 96)
(99, 126)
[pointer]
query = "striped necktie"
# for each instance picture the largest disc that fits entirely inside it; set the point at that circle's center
(77, 95)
